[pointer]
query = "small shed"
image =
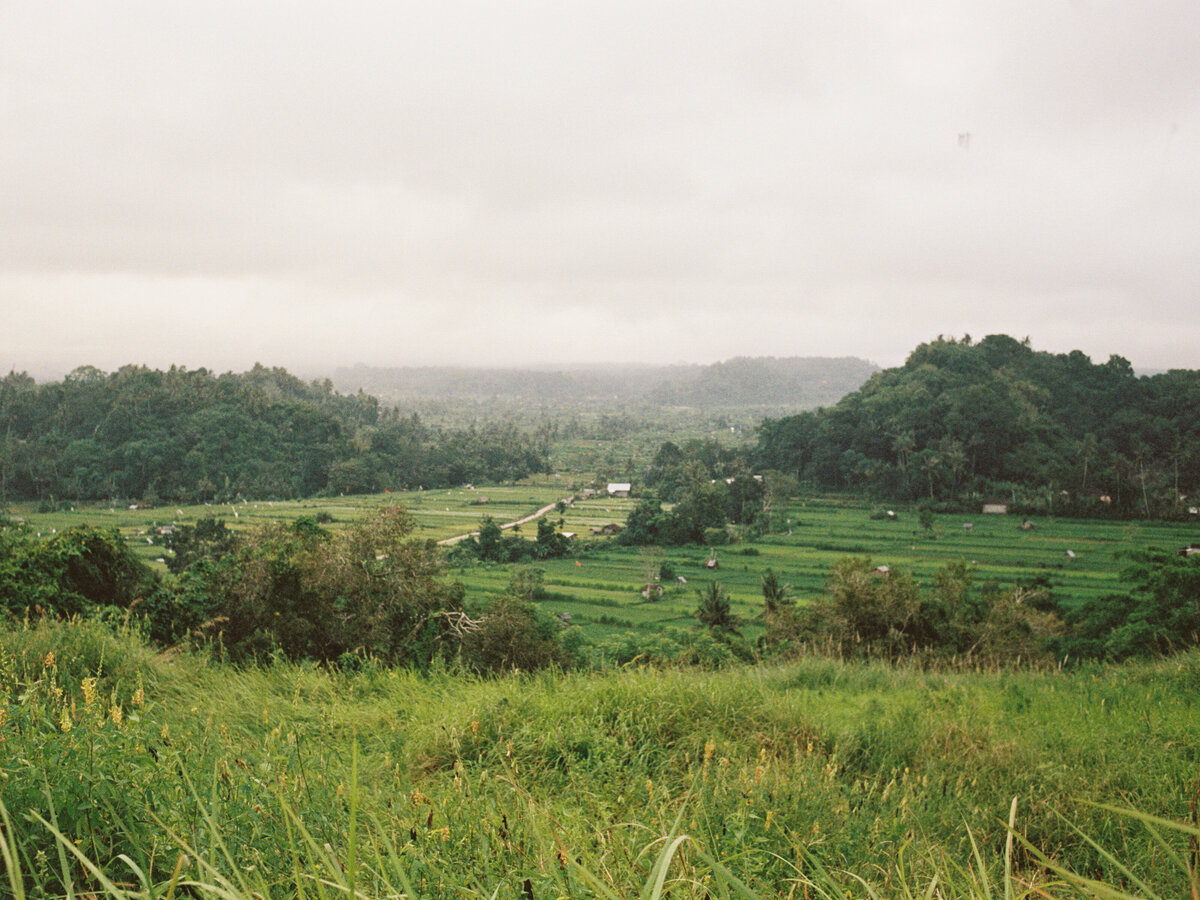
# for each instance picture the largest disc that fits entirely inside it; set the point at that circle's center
(619, 488)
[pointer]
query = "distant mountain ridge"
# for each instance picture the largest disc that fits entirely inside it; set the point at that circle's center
(801, 382)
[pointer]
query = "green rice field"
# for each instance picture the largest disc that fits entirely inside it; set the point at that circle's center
(600, 585)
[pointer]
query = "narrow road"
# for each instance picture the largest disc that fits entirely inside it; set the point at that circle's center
(529, 518)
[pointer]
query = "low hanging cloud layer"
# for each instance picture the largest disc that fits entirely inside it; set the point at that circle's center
(405, 183)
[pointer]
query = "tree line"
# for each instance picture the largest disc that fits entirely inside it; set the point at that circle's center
(191, 435)
(967, 422)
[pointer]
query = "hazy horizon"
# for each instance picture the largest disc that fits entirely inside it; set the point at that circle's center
(317, 185)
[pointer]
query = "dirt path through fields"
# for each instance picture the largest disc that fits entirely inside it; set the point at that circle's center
(529, 518)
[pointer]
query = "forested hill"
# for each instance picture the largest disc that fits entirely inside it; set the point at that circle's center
(797, 382)
(183, 435)
(963, 421)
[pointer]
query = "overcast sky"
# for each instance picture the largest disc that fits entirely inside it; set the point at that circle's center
(417, 183)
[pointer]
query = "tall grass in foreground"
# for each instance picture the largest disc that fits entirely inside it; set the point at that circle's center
(166, 776)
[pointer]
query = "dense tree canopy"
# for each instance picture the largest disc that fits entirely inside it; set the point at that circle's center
(189, 435)
(962, 420)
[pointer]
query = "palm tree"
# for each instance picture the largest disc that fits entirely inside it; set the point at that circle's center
(714, 610)
(774, 592)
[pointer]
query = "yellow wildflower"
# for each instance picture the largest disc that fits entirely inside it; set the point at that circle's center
(88, 685)
(139, 697)
(3, 716)
(710, 747)
(166, 732)
(770, 819)
(48, 662)
(116, 715)
(65, 722)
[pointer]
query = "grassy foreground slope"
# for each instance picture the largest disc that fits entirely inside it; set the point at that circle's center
(292, 781)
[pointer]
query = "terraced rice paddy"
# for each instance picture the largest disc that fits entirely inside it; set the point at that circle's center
(601, 584)
(601, 587)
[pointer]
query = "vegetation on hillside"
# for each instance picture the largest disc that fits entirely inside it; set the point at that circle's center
(127, 773)
(181, 435)
(963, 421)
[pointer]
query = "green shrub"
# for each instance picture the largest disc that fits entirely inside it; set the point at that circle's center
(308, 593)
(1161, 614)
(75, 571)
(514, 635)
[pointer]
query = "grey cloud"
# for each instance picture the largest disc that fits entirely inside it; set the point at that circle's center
(781, 173)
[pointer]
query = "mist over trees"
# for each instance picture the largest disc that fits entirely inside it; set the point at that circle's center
(797, 382)
(996, 419)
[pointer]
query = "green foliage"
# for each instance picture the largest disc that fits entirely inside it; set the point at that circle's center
(77, 570)
(183, 436)
(208, 538)
(702, 514)
(820, 777)
(313, 594)
(490, 544)
(1052, 433)
(713, 609)
(75, 649)
(514, 634)
(490, 541)
(775, 592)
(881, 612)
(1161, 615)
(527, 583)
(551, 544)
(672, 647)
